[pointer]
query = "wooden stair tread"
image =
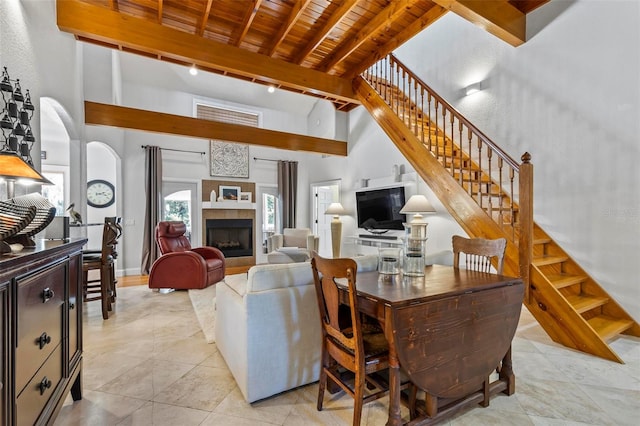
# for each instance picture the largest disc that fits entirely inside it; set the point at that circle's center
(608, 327)
(583, 303)
(565, 280)
(541, 241)
(548, 260)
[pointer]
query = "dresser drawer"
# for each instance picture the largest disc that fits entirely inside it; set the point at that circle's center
(38, 391)
(40, 310)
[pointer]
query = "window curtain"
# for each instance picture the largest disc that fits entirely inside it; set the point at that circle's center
(153, 193)
(288, 190)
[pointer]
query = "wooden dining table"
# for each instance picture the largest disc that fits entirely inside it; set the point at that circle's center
(448, 331)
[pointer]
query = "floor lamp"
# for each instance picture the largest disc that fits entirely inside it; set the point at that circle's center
(336, 210)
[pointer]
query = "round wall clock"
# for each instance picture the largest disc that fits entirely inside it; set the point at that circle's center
(100, 193)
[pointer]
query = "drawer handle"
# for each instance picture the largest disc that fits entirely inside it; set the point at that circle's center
(44, 340)
(47, 294)
(44, 385)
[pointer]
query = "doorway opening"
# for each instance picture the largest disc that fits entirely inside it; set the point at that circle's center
(323, 194)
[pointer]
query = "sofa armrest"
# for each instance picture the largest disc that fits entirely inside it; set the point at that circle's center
(274, 242)
(313, 242)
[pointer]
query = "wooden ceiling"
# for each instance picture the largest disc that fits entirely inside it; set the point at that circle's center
(314, 47)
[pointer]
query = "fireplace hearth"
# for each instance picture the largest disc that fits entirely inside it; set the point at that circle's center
(234, 237)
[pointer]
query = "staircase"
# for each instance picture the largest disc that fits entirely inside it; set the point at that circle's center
(491, 196)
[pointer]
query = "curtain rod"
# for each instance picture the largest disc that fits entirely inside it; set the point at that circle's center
(178, 150)
(264, 159)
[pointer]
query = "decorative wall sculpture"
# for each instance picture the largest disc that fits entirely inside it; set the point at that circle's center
(229, 159)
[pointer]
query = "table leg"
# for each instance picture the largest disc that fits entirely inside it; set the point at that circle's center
(394, 374)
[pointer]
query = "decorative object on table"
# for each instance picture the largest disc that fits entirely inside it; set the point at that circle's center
(336, 210)
(229, 193)
(100, 193)
(416, 236)
(12, 222)
(418, 205)
(229, 159)
(389, 260)
(414, 251)
(45, 212)
(212, 196)
(77, 218)
(245, 197)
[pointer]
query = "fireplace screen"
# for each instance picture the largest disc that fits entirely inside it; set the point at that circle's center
(234, 237)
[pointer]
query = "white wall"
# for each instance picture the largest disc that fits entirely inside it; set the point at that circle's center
(571, 97)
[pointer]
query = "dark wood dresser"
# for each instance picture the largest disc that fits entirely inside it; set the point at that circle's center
(41, 331)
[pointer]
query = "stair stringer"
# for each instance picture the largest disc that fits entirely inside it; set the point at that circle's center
(546, 303)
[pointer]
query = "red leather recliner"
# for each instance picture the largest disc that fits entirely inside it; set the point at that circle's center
(183, 267)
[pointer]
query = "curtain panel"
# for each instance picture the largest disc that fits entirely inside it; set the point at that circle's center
(288, 190)
(153, 212)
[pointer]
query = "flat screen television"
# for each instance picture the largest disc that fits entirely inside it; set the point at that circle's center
(380, 208)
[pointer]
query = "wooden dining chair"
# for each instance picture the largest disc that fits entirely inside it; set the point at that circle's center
(352, 352)
(479, 252)
(101, 288)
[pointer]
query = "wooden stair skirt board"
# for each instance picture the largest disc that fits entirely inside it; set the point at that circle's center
(569, 305)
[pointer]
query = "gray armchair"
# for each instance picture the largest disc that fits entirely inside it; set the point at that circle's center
(293, 245)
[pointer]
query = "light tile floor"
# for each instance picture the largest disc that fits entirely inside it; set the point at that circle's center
(149, 364)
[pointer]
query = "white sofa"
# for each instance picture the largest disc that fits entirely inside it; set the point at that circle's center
(268, 327)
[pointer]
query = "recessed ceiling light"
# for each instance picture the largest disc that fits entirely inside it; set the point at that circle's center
(193, 70)
(271, 89)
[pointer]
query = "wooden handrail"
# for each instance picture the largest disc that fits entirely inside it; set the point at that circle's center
(497, 183)
(513, 163)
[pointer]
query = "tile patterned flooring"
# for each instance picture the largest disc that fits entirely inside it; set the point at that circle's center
(149, 364)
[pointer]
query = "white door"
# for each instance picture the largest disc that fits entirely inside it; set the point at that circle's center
(179, 200)
(323, 194)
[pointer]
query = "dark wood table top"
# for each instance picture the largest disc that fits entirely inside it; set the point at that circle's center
(438, 282)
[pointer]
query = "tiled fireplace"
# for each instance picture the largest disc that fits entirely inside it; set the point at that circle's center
(234, 237)
(230, 226)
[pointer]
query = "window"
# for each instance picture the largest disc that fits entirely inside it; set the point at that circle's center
(177, 206)
(55, 193)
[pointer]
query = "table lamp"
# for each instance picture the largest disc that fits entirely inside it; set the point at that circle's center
(13, 167)
(336, 210)
(417, 205)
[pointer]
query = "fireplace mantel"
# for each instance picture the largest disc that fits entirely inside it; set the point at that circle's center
(228, 205)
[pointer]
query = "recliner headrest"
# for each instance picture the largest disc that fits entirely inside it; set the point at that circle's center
(171, 229)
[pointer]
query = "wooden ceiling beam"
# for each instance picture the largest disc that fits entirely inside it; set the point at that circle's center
(247, 21)
(500, 18)
(150, 121)
(205, 17)
(323, 32)
(431, 16)
(160, 6)
(389, 14)
(101, 25)
(293, 17)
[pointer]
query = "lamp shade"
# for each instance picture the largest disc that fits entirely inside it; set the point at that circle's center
(335, 209)
(14, 167)
(417, 204)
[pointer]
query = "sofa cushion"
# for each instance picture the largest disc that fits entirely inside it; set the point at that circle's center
(237, 283)
(268, 277)
(295, 237)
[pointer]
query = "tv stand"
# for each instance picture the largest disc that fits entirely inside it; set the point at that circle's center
(378, 236)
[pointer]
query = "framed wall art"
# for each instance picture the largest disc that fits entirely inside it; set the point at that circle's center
(229, 193)
(245, 197)
(229, 159)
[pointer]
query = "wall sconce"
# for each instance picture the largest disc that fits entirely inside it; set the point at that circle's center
(473, 88)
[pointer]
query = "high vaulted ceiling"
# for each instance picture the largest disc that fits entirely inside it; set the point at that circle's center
(314, 47)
